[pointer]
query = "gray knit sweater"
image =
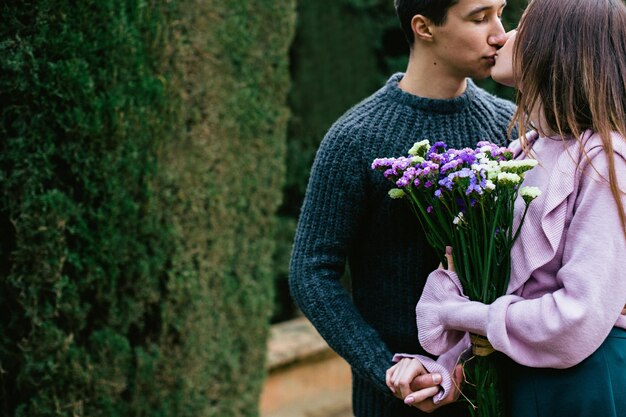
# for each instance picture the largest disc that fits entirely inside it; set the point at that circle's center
(347, 215)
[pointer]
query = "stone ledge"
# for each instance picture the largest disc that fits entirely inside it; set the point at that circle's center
(294, 341)
(305, 377)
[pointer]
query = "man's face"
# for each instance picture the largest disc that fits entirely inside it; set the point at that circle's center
(466, 44)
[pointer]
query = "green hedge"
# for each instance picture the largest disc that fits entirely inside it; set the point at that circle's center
(141, 161)
(233, 76)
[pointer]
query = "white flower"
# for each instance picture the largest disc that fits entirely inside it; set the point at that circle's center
(396, 193)
(506, 178)
(458, 219)
(518, 167)
(420, 148)
(490, 186)
(492, 169)
(529, 193)
(417, 159)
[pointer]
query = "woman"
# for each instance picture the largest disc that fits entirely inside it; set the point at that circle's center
(563, 321)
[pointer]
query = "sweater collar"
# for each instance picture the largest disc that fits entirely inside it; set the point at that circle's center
(454, 105)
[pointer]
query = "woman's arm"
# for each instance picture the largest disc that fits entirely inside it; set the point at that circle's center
(558, 329)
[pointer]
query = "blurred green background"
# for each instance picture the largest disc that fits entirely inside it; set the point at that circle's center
(153, 159)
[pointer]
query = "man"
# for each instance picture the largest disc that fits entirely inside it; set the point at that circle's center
(347, 214)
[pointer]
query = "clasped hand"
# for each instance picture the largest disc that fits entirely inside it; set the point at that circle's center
(408, 380)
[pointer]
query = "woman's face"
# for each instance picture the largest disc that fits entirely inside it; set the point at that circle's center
(502, 71)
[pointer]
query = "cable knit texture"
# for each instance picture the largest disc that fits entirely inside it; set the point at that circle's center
(347, 215)
(567, 285)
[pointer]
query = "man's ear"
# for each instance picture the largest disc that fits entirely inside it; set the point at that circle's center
(421, 28)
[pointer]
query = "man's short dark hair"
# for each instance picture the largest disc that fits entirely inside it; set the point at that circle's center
(435, 10)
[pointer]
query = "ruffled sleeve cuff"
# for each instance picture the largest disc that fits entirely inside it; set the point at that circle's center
(444, 314)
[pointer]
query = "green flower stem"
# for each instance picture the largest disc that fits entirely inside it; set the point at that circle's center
(519, 227)
(489, 253)
(433, 238)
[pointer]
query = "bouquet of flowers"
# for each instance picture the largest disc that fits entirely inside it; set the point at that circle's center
(465, 199)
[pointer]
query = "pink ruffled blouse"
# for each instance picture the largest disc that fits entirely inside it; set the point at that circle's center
(568, 272)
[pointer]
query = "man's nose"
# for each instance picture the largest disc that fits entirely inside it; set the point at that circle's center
(499, 37)
(509, 37)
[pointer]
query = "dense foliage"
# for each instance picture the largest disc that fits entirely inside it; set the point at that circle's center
(141, 158)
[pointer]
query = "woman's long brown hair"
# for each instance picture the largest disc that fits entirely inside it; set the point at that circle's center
(569, 61)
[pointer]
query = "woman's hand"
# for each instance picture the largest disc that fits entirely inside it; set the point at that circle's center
(411, 382)
(448, 255)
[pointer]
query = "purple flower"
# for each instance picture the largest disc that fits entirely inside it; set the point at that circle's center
(494, 151)
(436, 158)
(437, 147)
(447, 156)
(452, 165)
(390, 173)
(476, 184)
(467, 156)
(487, 148)
(429, 209)
(432, 166)
(401, 163)
(382, 163)
(402, 182)
(445, 182)
(407, 177)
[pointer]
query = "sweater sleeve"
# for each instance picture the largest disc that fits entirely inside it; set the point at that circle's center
(333, 206)
(562, 328)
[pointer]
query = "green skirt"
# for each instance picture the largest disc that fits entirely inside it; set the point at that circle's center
(595, 387)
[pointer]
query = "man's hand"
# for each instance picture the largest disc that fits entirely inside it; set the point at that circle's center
(409, 376)
(409, 380)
